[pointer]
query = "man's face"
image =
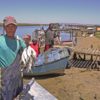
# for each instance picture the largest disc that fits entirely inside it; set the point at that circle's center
(34, 42)
(10, 29)
(27, 40)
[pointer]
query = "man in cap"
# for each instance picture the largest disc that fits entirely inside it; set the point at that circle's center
(27, 39)
(29, 54)
(49, 37)
(9, 43)
(10, 46)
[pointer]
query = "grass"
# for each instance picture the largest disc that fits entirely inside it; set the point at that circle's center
(97, 34)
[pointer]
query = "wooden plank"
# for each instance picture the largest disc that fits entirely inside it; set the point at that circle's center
(97, 52)
(87, 63)
(93, 51)
(83, 62)
(74, 61)
(87, 50)
(87, 53)
(78, 63)
(93, 62)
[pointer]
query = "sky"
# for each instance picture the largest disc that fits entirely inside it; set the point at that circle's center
(52, 11)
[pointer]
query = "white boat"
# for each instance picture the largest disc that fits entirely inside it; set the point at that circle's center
(34, 91)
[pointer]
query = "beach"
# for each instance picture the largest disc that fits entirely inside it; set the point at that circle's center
(76, 83)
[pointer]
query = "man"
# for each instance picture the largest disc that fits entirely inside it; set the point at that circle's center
(9, 43)
(10, 74)
(49, 37)
(29, 54)
(35, 46)
(57, 38)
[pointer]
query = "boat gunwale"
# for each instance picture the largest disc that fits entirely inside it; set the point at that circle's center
(50, 62)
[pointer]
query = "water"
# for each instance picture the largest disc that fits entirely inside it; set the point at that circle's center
(65, 37)
(21, 30)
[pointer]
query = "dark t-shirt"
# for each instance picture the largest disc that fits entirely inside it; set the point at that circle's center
(49, 37)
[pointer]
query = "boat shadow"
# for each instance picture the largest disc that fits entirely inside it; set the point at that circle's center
(43, 76)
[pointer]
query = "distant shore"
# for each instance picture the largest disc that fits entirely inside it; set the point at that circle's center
(28, 24)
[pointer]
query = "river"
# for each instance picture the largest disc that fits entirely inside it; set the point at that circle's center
(21, 30)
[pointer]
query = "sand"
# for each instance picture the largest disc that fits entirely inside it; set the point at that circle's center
(76, 83)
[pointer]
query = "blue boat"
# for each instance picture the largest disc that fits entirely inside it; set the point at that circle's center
(53, 61)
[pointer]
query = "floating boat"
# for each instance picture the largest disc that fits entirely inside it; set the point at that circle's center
(53, 61)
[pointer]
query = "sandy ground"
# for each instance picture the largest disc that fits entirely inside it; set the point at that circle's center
(76, 83)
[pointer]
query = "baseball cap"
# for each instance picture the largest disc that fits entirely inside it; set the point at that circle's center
(27, 36)
(9, 20)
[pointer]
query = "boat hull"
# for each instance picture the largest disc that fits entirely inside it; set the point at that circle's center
(55, 67)
(34, 91)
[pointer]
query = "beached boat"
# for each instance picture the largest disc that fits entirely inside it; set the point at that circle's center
(53, 61)
(34, 91)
